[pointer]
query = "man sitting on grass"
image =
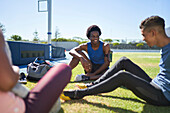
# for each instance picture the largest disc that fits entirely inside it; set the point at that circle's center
(126, 73)
(98, 53)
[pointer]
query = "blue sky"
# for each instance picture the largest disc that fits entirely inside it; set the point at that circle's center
(118, 19)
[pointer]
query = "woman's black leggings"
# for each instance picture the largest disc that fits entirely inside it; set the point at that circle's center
(125, 73)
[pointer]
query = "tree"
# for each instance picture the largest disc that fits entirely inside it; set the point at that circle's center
(57, 33)
(108, 40)
(35, 36)
(78, 38)
(139, 45)
(2, 27)
(16, 37)
(115, 44)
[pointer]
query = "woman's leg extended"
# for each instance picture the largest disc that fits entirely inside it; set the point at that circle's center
(140, 87)
(127, 65)
(42, 97)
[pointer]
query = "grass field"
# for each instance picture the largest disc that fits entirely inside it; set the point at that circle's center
(120, 100)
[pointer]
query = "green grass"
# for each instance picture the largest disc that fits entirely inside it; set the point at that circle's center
(120, 100)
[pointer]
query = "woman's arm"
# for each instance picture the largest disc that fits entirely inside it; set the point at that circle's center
(75, 51)
(8, 78)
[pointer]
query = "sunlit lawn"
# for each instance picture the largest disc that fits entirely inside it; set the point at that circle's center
(121, 100)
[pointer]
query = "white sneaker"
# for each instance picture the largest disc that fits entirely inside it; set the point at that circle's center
(81, 77)
(78, 78)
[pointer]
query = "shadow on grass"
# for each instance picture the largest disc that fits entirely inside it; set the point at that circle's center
(146, 109)
(89, 81)
(123, 98)
(99, 105)
(155, 109)
(61, 110)
(32, 81)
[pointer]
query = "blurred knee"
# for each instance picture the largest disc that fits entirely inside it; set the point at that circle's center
(123, 74)
(125, 59)
(63, 68)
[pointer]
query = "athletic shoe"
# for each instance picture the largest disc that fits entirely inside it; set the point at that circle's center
(81, 77)
(64, 97)
(22, 78)
(78, 77)
(82, 85)
(69, 95)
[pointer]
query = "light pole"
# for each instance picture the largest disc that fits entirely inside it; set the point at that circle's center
(49, 10)
(49, 3)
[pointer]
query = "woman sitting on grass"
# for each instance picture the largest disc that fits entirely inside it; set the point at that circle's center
(97, 60)
(41, 98)
(154, 91)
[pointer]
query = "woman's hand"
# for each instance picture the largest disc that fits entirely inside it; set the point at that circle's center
(86, 64)
(90, 74)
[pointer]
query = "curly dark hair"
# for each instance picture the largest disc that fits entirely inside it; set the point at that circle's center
(152, 21)
(93, 28)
